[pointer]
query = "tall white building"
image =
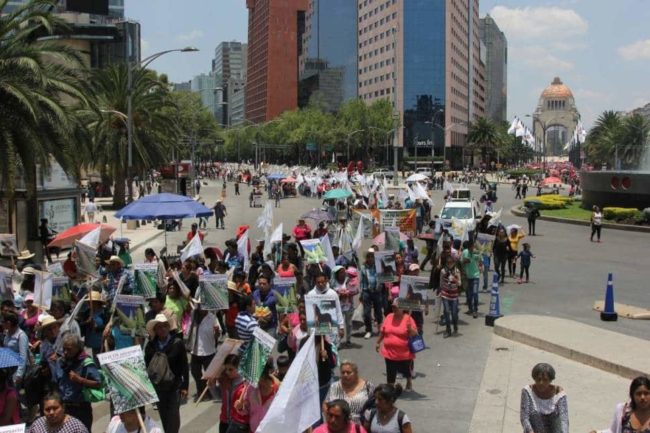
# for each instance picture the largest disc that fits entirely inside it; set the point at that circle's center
(230, 63)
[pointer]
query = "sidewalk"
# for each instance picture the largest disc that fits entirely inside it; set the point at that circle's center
(579, 353)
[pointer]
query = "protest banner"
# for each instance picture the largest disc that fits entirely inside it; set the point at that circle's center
(385, 266)
(484, 243)
(43, 289)
(296, 406)
(8, 245)
(16, 428)
(61, 289)
(404, 219)
(128, 382)
(129, 315)
(321, 314)
(145, 276)
(314, 252)
(229, 346)
(254, 357)
(284, 289)
(213, 292)
(413, 293)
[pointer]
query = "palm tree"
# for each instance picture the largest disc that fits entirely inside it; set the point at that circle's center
(483, 134)
(155, 130)
(38, 84)
(632, 140)
(602, 138)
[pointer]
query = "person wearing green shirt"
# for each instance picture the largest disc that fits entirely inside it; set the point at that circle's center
(472, 268)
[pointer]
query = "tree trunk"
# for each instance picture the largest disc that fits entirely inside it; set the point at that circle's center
(119, 192)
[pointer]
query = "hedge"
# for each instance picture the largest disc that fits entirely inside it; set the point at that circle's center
(550, 201)
(521, 171)
(621, 213)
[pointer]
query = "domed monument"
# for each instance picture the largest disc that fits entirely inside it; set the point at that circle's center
(555, 118)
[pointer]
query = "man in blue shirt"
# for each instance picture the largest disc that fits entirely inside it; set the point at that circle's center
(115, 272)
(372, 294)
(264, 296)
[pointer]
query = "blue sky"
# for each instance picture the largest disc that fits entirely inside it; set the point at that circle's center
(600, 48)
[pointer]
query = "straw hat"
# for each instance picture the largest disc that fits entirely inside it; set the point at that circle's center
(47, 320)
(160, 318)
(414, 267)
(96, 297)
(28, 270)
(25, 255)
(115, 259)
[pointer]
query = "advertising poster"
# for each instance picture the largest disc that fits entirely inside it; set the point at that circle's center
(61, 214)
(129, 315)
(128, 382)
(321, 314)
(8, 245)
(145, 276)
(386, 266)
(413, 293)
(213, 292)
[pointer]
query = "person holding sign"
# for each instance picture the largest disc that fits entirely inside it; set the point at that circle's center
(128, 422)
(202, 342)
(323, 290)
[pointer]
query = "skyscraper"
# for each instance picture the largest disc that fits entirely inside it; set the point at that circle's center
(425, 57)
(115, 7)
(328, 62)
(275, 29)
(496, 69)
(230, 60)
(206, 86)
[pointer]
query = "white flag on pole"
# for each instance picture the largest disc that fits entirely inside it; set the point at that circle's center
(193, 248)
(265, 220)
(43, 289)
(327, 247)
(358, 237)
(519, 129)
(242, 248)
(513, 126)
(92, 238)
(276, 236)
(296, 406)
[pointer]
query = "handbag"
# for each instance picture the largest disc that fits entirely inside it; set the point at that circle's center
(416, 344)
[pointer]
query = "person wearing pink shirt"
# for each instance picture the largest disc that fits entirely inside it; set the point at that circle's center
(338, 419)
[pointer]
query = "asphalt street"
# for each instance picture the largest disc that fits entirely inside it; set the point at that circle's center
(568, 274)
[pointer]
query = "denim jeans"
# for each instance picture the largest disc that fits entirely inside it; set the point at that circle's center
(450, 308)
(486, 275)
(372, 301)
(472, 294)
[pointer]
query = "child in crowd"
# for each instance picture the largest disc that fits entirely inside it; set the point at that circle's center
(526, 255)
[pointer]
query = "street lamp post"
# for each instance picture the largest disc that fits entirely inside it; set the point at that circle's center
(350, 136)
(257, 141)
(142, 64)
(387, 134)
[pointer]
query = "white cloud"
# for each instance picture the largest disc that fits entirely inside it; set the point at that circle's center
(193, 35)
(539, 22)
(542, 59)
(635, 51)
(590, 95)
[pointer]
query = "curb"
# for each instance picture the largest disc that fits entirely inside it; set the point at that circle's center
(565, 352)
(625, 227)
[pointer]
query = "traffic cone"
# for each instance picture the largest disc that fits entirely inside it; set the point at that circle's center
(495, 304)
(608, 314)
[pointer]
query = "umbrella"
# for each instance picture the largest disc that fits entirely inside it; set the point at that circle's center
(288, 180)
(416, 177)
(552, 180)
(337, 193)
(67, 238)
(163, 206)
(317, 215)
(9, 358)
(380, 239)
(211, 252)
(275, 176)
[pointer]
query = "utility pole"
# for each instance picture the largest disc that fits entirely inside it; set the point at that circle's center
(396, 111)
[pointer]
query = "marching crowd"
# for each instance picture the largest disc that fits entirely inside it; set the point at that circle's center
(58, 380)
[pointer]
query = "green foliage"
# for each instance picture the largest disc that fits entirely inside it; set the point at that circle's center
(549, 201)
(523, 171)
(571, 211)
(612, 134)
(622, 213)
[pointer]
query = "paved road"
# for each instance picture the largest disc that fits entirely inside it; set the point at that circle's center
(568, 274)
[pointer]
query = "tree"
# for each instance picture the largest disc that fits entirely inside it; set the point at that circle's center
(39, 81)
(632, 141)
(155, 129)
(601, 139)
(483, 135)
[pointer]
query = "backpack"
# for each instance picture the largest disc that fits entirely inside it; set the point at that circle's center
(94, 395)
(160, 373)
(400, 418)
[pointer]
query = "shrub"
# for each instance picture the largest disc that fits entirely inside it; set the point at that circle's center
(521, 171)
(549, 201)
(621, 213)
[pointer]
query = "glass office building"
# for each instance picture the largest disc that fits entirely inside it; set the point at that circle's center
(423, 75)
(328, 63)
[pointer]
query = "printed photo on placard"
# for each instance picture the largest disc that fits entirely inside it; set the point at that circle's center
(61, 289)
(284, 290)
(8, 245)
(483, 244)
(386, 266)
(413, 292)
(321, 314)
(129, 315)
(145, 276)
(213, 292)
(314, 252)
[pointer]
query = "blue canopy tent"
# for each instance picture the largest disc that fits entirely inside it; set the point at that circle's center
(163, 206)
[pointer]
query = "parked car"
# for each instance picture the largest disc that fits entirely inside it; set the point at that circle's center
(383, 172)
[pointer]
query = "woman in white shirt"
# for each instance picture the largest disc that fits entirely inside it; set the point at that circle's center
(128, 422)
(596, 223)
(202, 344)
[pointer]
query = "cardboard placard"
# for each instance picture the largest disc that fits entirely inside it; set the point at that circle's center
(413, 293)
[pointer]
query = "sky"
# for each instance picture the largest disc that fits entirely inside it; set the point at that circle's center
(599, 48)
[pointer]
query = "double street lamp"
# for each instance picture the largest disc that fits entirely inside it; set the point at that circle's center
(141, 65)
